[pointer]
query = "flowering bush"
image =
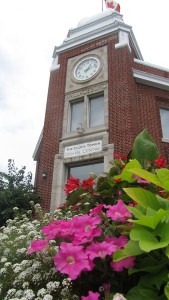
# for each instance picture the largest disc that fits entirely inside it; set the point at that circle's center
(23, 276)
(108, 241)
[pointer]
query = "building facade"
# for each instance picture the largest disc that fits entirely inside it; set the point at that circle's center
(101, 95)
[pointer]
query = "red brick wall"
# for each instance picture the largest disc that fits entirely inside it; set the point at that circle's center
(132, 107)
(54, 118)
(123, 126)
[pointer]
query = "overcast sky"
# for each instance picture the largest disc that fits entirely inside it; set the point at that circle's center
(29, 30)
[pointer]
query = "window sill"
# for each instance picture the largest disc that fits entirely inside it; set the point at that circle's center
(86, 132)
(165, 140)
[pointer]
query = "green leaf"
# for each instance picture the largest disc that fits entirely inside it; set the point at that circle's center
(151, 221)
(164, 231)
(147, 240)
(166, 290)
(131, 249)
(155, 280)
(144, 148)
(143, 197)
(126, 174)
(146, 175)
(164, 203)
(135, 210)
(149, 264)
(167, 251)
(141, 294)
(163, 176)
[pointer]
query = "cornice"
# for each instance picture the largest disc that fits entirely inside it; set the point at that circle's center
(145, 63)
(37, 148)
(151, 79)
(110, 22)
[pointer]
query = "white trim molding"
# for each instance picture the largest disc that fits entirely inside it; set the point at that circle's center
(165, 140)
(37, 147)
(99, 26)
(145, 63)
(151, 79)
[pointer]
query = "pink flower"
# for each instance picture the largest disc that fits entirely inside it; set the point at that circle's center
(97, 209)
(91, 296)
(124, 263)
(119, 242)
(85, 228)
(140, 180)
(100, 249)
(36, 246)
(61, 228)
(118, 212)
(71, 260)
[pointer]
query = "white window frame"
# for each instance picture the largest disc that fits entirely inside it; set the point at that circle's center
(164, 139)
(60, 163)
(70, 113)
(86, 112)
(85, 163)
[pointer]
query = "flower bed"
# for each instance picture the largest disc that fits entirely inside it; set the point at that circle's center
(109, 241)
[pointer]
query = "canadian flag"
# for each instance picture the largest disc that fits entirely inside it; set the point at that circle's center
(112, 4)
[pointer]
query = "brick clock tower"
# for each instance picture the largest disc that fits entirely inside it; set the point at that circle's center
(101, 95)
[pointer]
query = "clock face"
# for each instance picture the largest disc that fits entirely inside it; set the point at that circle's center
(86, 68)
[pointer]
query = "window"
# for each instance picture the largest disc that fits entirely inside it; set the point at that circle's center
(96, 111)
(83, 171)
(77, 112)
(87, 112)
(164, 114)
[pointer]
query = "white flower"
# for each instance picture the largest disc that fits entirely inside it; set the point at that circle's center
(29, 294)
(36, 277)
(47, 297)
(19, 294)
(6, 251)
(118, 297)
(25, 285)
(17, 269)
(41, 292)
(21, 251)
(75, 297)
(3, 237)
(15, 209)
(52, 286)
(2, 271)
(11, 292)
(7, 264)
(3, 259)
(36, 265)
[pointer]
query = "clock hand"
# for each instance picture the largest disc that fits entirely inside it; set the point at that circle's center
(88, 68)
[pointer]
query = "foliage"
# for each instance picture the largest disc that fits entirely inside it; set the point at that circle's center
(21, 275)
(16, 190)
(111, 235)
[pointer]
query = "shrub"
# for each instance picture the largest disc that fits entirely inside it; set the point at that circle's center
(16, 190)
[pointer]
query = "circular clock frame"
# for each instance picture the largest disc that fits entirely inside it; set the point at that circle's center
(86, 69)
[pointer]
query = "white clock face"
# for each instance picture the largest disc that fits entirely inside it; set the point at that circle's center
(86, 68)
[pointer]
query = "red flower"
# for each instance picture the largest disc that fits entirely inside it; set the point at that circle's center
(124, 157)
(117, 156)
(87, 184)
(160, 162)
(117, 180)
(71, 185)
